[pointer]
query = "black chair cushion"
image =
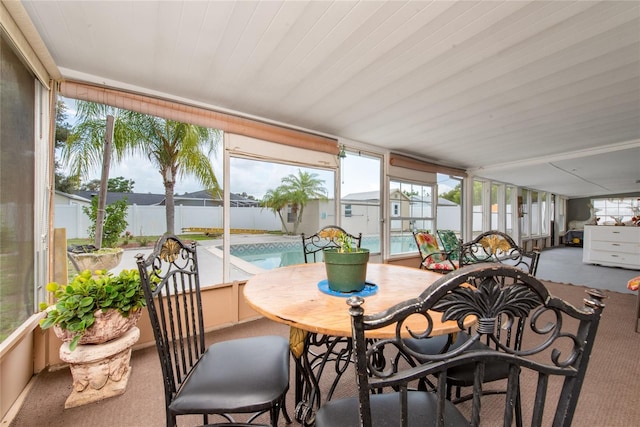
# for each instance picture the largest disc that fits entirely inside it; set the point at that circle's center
(385, 411)
(436, 345)
(248, 373)
(459, 375)
(463, 375)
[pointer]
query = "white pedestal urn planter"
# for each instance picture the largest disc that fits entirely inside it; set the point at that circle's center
(99, 371)
(104, 259)
(95, 317)
(100, 363)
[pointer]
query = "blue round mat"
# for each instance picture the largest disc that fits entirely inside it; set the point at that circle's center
(369, 289)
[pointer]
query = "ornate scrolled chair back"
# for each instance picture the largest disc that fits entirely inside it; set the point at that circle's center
(558, 342)
(496, 246)
(327, 237)
(242, 376)
(171, 271)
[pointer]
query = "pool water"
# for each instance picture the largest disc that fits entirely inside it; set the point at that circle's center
(279, 254)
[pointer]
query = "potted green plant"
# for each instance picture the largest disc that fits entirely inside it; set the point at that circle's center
(346, 265)
(94, 307)
(95, 317)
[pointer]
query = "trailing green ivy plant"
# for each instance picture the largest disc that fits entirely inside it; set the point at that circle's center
(77, 302)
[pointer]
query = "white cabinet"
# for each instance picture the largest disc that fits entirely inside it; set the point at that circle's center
(612, 246)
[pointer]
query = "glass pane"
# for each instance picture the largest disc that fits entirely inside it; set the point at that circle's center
(478, 213)
(544, 229)
(360, 190)
(293, 200)
(534, 213)
(17, 107)
(616, 210)
(411, 208)
(449, 209)
(495, 206)
(510, 209)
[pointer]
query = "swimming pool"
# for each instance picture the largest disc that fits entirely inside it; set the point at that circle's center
(271, 255)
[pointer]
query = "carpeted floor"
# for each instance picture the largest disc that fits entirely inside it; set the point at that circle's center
(608, 399)
(564, 265)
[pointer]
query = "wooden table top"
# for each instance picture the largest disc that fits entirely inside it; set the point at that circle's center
(290, 295)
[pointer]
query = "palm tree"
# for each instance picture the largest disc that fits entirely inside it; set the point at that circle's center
(299, 190)
(84, 148)
(176, 149)
(276, 200)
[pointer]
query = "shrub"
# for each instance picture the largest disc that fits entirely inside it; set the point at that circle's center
(114, 221)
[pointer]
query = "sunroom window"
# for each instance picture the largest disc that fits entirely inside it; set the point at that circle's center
(412, 208)
(616, 210)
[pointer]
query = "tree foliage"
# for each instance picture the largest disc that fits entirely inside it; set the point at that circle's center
(115, 221)
(120, 184)
(66, 184)
(295, 192)
(455, 195)
(115, 185)
(173, 148)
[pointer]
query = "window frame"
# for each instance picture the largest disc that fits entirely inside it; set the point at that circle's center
(409, 220)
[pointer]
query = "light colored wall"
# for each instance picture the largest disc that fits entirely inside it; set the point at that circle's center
(150, 220)
(449, 217)
(364, 219)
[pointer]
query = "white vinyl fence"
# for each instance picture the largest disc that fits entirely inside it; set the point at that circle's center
(150, 220)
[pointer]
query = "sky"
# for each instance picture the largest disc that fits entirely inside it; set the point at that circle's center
(249, 176)
(255, 177)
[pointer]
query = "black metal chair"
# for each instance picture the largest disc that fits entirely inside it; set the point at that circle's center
(491, 246)
(242, 376)
(554, 357)
(311, 351)
(496, 246)
(326, 237)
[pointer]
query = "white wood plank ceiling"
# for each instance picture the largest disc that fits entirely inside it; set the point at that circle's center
(543, 94)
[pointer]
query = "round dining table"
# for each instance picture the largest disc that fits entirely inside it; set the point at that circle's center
(320, 322)
(294, 295)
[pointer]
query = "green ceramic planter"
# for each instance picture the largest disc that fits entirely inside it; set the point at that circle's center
(346, 271)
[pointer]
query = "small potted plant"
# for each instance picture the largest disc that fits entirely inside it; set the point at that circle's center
(94, 308)
(346, 265)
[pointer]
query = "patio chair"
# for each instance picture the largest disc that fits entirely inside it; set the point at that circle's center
(326, 237)
(326, 348)
(450, 243)
(492, 246)
(496, 246)
(558, 351)
(241, 376)
(431, 256)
